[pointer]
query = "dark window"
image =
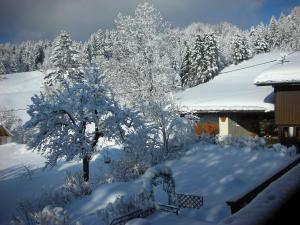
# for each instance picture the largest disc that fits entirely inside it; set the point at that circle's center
(298, 132)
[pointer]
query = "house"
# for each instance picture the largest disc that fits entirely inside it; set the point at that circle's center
(285, 79)
(232, 101)
(5, 135)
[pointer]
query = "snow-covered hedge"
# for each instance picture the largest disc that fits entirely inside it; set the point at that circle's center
(254, 143)
(290, 151)
(241, 142)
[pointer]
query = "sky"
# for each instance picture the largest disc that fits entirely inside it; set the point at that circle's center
(43, 19)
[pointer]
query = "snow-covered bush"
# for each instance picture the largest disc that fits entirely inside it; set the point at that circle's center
(241, 142)
(47, 216)
(75, 184)
(52, 216)
(73, 187)
(124, 205)
(127, 169)
(290, 151)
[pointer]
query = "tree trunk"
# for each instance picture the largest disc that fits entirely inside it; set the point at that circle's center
(85, 167)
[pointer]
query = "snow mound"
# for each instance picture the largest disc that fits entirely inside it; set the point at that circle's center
(17, 89)
(232, 89)
(286, 72)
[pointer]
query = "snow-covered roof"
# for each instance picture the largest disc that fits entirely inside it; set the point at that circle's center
(17, 89)
(232, 91)
(286, 72)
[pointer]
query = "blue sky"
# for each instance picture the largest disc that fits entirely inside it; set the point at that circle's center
(43, 19)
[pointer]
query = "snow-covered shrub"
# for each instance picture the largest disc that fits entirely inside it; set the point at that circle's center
(73, 187)
(47, 216)
(124, 205)
(24, 214)
(52, 216)
(75, 184)
(127, 169)
(208, 138)
(241, 142)
(290, 151)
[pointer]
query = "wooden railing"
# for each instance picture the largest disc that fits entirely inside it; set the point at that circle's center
(241, 200)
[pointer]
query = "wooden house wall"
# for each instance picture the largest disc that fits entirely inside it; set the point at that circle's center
(287, 105)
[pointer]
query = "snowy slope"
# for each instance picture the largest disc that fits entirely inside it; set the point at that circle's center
(287, 72)
(16, 186)
(232, 90)
(17, 89)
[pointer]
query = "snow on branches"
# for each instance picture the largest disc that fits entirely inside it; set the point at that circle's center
(70, 121)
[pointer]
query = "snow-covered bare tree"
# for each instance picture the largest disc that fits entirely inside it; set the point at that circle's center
(141, 69)
(65, 58)
(70, 122)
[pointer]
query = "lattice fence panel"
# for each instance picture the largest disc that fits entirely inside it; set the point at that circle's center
(189, 201)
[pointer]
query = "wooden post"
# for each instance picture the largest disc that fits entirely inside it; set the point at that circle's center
(85, 168)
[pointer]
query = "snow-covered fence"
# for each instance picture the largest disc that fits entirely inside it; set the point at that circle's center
(125, 208)
(239, 201)
(269, 207)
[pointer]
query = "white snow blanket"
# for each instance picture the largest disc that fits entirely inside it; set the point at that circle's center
(286, 72)
(232, 90)
(17, 89)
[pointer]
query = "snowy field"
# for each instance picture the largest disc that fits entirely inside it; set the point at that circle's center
(17, 89)
(206, 169)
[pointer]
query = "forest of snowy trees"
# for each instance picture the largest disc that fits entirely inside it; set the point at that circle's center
(188, 56)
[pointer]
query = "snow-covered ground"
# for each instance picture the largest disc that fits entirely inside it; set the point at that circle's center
(232, 90)
(206, 169)
(16, 185)
(17, 89)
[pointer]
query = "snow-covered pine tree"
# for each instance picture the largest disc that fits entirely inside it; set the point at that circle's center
(2, 68)
(295, 21)
(65, 58)
(205, 60)
(241, 50)
(273, 33)
(258, 36)
(185, 70)
(70, 122)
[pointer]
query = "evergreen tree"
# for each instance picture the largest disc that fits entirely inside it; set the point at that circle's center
(205, 60)
(258, 38)
(185, 70)
(241, 50)
(273, 33)
(65, 58)
(2, 68)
